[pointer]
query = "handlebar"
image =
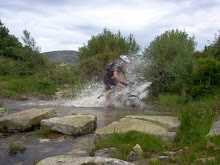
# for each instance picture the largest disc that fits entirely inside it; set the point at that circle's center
(126, 84)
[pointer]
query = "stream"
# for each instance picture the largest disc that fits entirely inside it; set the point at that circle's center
(40, 147)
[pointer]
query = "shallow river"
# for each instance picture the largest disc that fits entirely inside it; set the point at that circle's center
(40, 147)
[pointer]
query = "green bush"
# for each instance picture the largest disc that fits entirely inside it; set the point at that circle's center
(89, 69)
(106, 57)
(213, 50)
(207, 71)
(171, 62)
(199, 90)
(109, 41)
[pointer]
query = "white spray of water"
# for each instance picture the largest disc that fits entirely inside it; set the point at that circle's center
(90, 95)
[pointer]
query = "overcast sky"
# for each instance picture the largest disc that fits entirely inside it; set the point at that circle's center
(68, 24)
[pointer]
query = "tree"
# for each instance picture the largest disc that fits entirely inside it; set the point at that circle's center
(30, 42)
(9, 44)
(171, 61)
(213, 50)
(109, 41)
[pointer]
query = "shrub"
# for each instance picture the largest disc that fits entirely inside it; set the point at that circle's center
(89, 69)
(106, 57)
(171, 62)
(207, 71)
(109, 41)
(199, 90)
(213, 50)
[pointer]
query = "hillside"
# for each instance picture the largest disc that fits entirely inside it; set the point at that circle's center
(64, 56)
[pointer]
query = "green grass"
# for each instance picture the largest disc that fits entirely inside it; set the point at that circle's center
(215, 142)
(196, 117)
(169, 99)
(13, 148)
(125, 142)
(15, 87)
(18, 87)
(43, 131)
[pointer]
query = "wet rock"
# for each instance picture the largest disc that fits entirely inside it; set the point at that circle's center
(162, 127)
(215, 130)
(25, 120)
(67, 159)
(74, 124)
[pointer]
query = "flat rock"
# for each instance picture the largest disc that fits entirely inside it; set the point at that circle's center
(74, 124)
(162, 127)
(215, 130)
(25, 120)
(68, 159)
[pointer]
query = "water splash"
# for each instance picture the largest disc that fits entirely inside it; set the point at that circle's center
(93, 95)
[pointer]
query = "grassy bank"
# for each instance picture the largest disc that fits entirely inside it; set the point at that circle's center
(191, 143)
(197, 118)
(43, 84)
(20, 87)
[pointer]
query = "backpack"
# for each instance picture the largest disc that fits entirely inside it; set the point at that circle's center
(110, 67)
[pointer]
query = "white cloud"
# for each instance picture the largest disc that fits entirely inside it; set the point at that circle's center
(61, 25)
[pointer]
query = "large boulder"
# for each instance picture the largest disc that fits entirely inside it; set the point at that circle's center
(25, 120)
(162, 127)
(74, 124)
(68, 159)
(215, 130)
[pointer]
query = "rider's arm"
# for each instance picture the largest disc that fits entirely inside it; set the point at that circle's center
(115, 74)
(126, 77)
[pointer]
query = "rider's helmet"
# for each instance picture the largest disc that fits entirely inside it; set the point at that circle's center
(124, 58)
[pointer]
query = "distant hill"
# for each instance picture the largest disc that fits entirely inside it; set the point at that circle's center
(63, 56)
